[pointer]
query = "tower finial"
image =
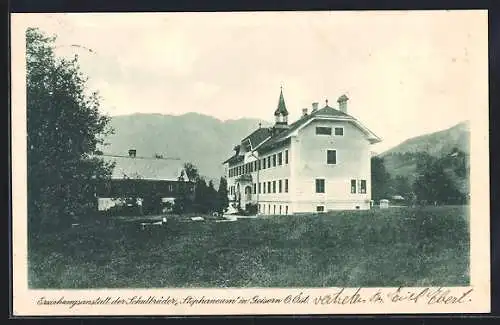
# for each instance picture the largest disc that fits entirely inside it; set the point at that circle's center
(326, 101)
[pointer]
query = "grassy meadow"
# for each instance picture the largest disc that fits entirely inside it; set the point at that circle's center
(426, 246)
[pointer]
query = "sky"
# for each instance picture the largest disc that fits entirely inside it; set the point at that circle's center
(406, 73)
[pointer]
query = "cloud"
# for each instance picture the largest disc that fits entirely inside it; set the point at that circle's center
(399, 68)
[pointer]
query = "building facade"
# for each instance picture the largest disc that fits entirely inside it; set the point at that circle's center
(137, 176)
(320, 162)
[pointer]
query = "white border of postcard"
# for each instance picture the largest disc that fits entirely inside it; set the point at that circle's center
(473, 299)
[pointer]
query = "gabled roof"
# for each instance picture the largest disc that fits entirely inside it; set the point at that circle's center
(148, 168)
(258, 136)
(234, 159)
(263, 139)
(327, 112)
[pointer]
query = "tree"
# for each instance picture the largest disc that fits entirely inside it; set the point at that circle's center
(380, 180)
(191, 172)
(212, 198)
(64, 127)
(184, 201)
(222, 196)
(434, 184)
(402, 186)
(201, 196)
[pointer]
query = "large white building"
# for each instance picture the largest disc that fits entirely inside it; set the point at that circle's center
(318, 163)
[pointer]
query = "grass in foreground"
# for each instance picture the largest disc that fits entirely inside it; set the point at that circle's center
(394, 247)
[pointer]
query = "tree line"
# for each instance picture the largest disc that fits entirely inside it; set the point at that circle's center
(436, 180)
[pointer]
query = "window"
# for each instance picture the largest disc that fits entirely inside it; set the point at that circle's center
(320, 208)
(320, 186)
(280, 187)
(331, 157)
(274, 160)
(259, 187)
(339, 131)
(353, 186)
(258, 164)
(264, 163)
(269, 162)
(280, 159)
(264, 188)
(286, 185)
(254, 188)
(269, 187)
(170, 187)
(362, 187)
(274, 186)
(274, 209)
(286, 209)
(280, 209)
(259, 208)
(321, 130)
(286, 156)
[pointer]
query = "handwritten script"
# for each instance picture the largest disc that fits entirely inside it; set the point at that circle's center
(341, 296)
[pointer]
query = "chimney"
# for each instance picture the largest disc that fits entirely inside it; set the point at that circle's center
(343, 103)
(304, 111)
(132, 153)
(314, 107)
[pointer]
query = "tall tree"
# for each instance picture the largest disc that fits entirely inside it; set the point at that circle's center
(222, 196)
(381, 179)
(64, 127)
(191, 172)
(201, 196)
(212, 197)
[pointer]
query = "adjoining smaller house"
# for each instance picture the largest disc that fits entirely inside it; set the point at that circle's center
(137, 177)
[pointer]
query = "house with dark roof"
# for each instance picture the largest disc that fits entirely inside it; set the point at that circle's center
(318, 163)
(136, 176)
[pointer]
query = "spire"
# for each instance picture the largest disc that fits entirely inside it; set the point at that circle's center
(281, 110)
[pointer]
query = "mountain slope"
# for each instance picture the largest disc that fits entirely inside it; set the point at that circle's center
(200, 139)
(436, 143)
(402, 159)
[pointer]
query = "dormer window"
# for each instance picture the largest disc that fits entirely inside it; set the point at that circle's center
(339, 131)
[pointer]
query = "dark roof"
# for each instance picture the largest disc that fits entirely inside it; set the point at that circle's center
(258, 136)
(281, 110)
(327, 111)
(234, 159)
(149, 168)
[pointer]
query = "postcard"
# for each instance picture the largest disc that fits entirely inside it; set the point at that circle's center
(246, 163)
